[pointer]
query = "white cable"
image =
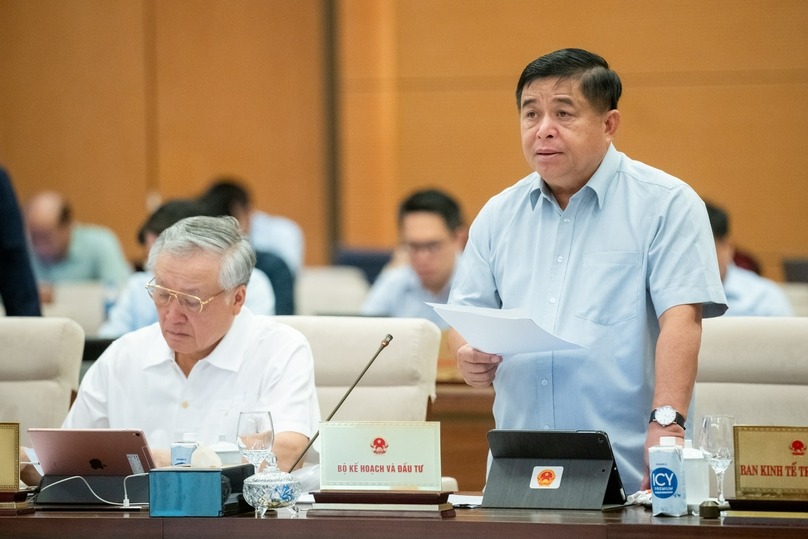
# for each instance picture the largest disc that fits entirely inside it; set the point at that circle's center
(125, 496)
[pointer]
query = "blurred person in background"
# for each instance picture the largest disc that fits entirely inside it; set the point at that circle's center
(268, 233)
(278, 241)
(66, 251)
(432, 235)
(748, 294)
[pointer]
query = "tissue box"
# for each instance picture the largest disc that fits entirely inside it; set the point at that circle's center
(181, 491)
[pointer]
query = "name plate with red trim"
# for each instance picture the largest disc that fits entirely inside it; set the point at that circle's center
(771, 461)
(380, 455)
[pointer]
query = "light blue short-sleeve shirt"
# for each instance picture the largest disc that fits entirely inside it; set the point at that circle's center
(633, 242)
(94, 254)
(399, 292)
(749, 294)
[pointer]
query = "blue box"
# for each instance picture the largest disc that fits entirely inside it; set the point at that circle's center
(187, 492)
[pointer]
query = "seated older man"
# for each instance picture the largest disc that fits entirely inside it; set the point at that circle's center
(207, 358)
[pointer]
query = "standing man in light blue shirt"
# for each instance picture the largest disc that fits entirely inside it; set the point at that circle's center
(601, 250)
(432, 235)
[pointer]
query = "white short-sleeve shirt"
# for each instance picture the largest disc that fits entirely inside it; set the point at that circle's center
(259, 365)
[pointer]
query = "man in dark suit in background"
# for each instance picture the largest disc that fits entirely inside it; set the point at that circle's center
(17, 284)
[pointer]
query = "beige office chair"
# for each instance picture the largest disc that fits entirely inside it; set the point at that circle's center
(755, 369)
(797, 294)
(324, 290)
(39, 370)
(399, 384)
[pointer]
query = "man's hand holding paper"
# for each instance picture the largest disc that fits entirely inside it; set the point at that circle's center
(477, 368)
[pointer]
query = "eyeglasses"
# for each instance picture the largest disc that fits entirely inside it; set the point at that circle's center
(191, 304)
(428, 247)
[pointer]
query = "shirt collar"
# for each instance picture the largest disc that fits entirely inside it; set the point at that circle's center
(229, 353)
(598, 183)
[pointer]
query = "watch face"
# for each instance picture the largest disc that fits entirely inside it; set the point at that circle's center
(665, 415)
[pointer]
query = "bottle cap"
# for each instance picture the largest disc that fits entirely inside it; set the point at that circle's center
(667, 440)
(188, 436)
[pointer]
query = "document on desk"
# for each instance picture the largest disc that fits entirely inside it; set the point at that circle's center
(501, 331)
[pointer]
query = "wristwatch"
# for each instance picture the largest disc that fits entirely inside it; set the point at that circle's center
(666, 415)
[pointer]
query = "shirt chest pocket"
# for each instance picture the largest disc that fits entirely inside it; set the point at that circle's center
(610, 287)
(223, 416)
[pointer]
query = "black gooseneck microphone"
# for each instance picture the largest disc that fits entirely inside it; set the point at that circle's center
(382, 346)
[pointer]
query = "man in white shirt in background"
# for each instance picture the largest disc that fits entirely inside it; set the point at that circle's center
(208, 358)
(432, 235)
(748, 294)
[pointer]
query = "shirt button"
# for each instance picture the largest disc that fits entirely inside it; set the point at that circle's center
(544, 382)
(560, 259)
(546, 427)
(184, 404)
(566, 220)
(552, 300)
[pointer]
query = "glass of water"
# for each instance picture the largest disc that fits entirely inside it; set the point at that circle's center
(255, 437)
(717, 445)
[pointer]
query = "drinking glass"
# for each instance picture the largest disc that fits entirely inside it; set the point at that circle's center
(716, 443)
(255, 437)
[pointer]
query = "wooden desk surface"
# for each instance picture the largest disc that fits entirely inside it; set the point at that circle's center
(633, 522)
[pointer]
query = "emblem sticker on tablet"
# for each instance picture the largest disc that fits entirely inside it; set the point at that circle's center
(546, 476)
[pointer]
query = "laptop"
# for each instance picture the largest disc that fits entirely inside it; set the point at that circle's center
(552, 470)
(103, 458)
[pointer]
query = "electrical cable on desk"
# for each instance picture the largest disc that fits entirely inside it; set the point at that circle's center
(124, 504)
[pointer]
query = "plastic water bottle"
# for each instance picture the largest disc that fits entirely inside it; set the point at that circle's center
(667, 466)
(110, 296)
(697, 474)
(181, 452)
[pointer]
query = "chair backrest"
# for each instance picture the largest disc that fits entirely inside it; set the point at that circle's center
(796, 270)
(39, 370)
(330, 290)
(755, 369)
(797, 294)
(370, 261)
(398, 384)
(82, 301)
